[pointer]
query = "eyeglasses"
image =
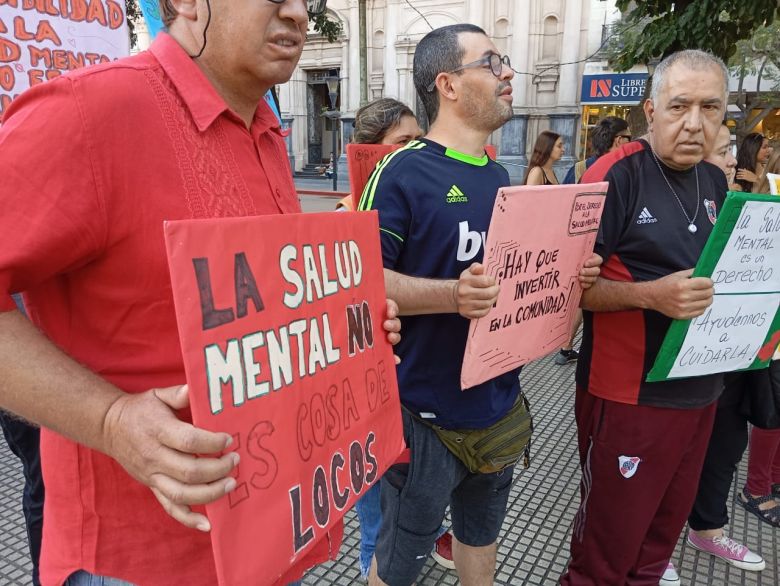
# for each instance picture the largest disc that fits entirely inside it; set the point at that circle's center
(313, 7)
(495, 61)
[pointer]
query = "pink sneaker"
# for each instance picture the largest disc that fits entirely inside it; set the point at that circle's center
(670, 577)
(728, 550)
(442, 551)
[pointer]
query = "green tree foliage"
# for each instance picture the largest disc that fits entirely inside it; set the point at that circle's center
(330, 29)
(661, 27)
(653, 29)
(323, 25)
(757, 57)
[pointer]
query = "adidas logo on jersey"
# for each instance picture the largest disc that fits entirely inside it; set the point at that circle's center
(455, 195)
(645, 217)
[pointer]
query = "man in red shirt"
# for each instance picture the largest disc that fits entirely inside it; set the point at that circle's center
(94, 162)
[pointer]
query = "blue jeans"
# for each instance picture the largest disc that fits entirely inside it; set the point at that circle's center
(23, 440)
(82, 578)
(369, 512)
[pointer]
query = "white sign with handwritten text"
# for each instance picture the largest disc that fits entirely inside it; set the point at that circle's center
(727, 336)
(750, 263)
(731, 331)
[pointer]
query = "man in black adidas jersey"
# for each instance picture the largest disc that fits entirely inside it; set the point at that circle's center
(435, 199)
(642, 444)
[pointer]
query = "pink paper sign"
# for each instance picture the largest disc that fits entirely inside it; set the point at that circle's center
(539, 237)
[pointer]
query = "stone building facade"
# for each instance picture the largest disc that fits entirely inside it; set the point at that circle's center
(548, 42)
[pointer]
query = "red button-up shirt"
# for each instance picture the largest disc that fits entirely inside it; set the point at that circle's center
(93, 163)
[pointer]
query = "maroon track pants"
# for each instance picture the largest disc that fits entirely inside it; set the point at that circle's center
(640, 471)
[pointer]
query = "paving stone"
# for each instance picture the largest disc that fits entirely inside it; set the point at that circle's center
(534, 544)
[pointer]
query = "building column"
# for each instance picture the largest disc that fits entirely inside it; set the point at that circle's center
(287, 127)
(474, 12)
(352, 58)
(566, 126)
(392, 18)
(347, 130)
(519, 52)
(570, 53)
(512, 153)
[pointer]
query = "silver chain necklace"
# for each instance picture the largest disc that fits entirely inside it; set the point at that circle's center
(691, 221)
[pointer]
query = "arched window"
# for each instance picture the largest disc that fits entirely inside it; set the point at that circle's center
(378, 52)
(501, 30)
(550, 44)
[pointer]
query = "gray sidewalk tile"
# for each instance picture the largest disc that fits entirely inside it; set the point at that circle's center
(533, 547)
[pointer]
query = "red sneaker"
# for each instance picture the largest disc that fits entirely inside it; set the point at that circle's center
(442, 551)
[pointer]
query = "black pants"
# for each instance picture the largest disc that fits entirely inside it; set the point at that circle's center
(727, 445)
(24, 441)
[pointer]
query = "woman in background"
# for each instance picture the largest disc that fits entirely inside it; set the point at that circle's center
(752, 155)
(772, 166)
(383, 121)
(548, 150)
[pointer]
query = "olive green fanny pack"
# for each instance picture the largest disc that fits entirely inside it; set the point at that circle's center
(496, 447)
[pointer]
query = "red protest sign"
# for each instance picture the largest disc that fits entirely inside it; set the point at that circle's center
(362, 159)
(283, 345)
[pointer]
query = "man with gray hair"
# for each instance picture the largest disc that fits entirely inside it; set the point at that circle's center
(642, 444)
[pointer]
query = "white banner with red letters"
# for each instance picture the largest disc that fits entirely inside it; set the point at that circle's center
(42, 39)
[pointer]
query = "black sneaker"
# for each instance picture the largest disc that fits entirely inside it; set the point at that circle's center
(566, 356)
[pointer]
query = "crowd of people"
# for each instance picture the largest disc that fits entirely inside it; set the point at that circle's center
(96, 361)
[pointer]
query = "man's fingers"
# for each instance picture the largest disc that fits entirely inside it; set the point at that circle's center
(475, 313)
(699, 295)
(478, 281)
(391, 325)
(391, 308)
(594, 260)
(182, 513)
(700, 283)
(178, 493)
(479, 293)
(477, 268)
(175, 397)
(190, 469)
(184, 437)
(589, 273)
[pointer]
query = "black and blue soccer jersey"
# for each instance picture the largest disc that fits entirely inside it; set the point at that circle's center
(644, 236)
(434, 209)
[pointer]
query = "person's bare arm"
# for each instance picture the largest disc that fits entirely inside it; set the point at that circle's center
(140, 431)
(471, 295)
(535, 177)
(678, 295)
